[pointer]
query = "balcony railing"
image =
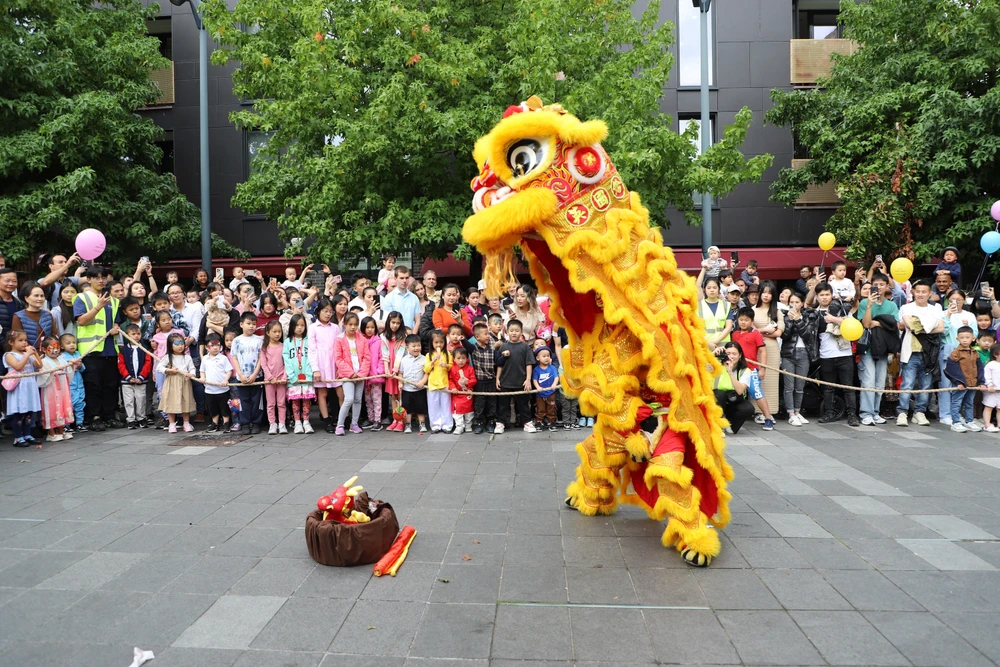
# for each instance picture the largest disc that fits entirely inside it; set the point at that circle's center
(811, 58)
(823, 195)
(164, 79)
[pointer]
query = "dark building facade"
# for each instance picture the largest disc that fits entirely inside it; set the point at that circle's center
(756, 46)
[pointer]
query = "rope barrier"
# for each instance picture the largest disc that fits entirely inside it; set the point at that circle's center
(851, 388)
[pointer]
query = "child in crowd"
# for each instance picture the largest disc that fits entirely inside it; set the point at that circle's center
(135, 367)
(272, 362)
(239, 278)
(323, 335)
(461, 377)
(984, 322)
(544, 378)
(132, 314)
(984, 343)
(966, 371)
(495, 322)
(950, 264)
(192, 296)
(472, 306)
(514, 368)
(56, 398)
(438, 399)
(164, 327)
(177, 397)
(246, 357)
(352, 362)
(393, 350)
(376, 366)
(991, 399)
(216, 372)
(484, 365)
(172, 278)
(749, 274)
(842, 286)
(386, 273)
(752, 343)
(570, 406)
(456, 338)
(411, 373)
(70, 355)
(714, 263)
(300, 390)
(494, 306)
(23, 400)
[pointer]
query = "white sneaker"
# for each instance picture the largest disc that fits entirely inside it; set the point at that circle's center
(529, 427)
(901, 419)
(273, 430)
(802, 420)
(52, 438)
(498, 428)
(408, 429)
(282, 429)
(867, 420)
(759, 418)
(992, 429)
(973, 427)
(959, 428)
(307, 427)
(944, 420)
(423, 428)
(298, 428)
(793, 420)
(879, 419)
(459, 430)
(920, 419)
(980, 423)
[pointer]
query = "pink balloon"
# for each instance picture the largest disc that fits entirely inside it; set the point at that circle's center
(90, 243)
(995, 211)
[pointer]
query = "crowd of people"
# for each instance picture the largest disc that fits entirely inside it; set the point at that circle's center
(88, 351)
(916, 336)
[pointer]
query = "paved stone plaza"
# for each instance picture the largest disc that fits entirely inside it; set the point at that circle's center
(871, 546)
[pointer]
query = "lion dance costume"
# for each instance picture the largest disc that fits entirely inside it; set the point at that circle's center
(638, 358)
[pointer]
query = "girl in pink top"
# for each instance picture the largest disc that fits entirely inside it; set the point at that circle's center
(323, 335)
(373, 387)
(164, 327)
(352, 362)
(272, 361)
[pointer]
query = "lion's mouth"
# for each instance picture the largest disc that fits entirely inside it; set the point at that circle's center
(577, 310)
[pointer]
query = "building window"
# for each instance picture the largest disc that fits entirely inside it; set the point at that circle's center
(256, 141)
(684, 122)
(689, 44)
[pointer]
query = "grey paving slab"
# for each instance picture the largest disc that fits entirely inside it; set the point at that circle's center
(260, 658)
(735, 589)
(232, 622)
(591, 642)
(768, 637)
(794, 525)
(455, 631)
(533, 633)
(160, 619)
(689, 637)
(936, 591)
(274, 576)
(925, 640)
(953, 527)
(379, 628)
(803, 589)
(303, 624)
(847, 638)
(93, 571)
(946, 555)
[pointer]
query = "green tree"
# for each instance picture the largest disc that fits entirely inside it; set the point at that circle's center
(73, 152)
(374, 108)
(908, 126)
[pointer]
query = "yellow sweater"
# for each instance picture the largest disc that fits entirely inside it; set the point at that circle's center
(437, 375)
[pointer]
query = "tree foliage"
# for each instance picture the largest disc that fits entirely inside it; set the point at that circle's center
(909, 127)
(73, 152)
(374, 108)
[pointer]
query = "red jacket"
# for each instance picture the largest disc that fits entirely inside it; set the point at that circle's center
(126, 364)
(342, 356)
(461, 404)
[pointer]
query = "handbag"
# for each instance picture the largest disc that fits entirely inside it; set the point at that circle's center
(10, 384)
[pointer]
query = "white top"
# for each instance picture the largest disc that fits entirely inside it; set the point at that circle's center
(929, 317)
(992, 374)
(180, 361)
(412, 369)
(842, 289)
(830, 345)
(192, 314)
(216, 368)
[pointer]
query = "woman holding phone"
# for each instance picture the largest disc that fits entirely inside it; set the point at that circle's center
(798, 350)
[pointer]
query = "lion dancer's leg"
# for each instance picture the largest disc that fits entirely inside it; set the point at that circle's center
(671, 485)
(598, 477)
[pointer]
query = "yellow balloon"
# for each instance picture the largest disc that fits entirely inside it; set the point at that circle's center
(851, 329)
(901, 269)
(826, 241)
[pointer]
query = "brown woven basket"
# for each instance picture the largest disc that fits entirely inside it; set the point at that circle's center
(347, 544)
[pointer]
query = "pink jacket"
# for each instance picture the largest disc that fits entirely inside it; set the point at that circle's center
(375, 354)
(342, 353)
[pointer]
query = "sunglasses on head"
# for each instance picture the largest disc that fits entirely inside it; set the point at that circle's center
(178, 342)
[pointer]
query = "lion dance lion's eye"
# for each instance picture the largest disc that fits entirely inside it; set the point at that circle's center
(524, 156)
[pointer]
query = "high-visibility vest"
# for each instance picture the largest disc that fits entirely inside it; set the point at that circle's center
(89, 336)
(715, 322)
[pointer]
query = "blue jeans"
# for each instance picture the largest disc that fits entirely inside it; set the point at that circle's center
(872, 374)
(945, 398)
(197, 387)
(914, 376)
(961, 405)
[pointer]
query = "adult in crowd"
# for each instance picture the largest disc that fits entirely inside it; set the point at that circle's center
(802, 285)
(34, 319)
(191, 314)
(955, 317)
(450, 312)
(922, 323)
(139, 292)
(799, 349)
(63, 321)
(880, 316)
(359, 282)
(783, 298)
(768, 321)
(943, 286)
(403, 300)
(731, 386)
(58, 267)
(715, 313)
(525, 309)
(96, 316)
(9, 303)
(836, 358)
(430, 284)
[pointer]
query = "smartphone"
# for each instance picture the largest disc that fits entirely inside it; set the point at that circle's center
(274, 283)
(735, 256)
(297, 302)
(147, 317)
(219, 275)
(144, 259)
(983, 287)
(878, 259)
(337, 278)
